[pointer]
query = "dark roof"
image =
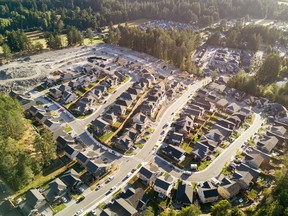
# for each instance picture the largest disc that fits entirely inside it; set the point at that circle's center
(70, 178)
(33, 196)
(92, 167)
(173, 151)
(123, 208)
(162, 183)
(184, 193)
(99, 123)
(200, 150)
(64, 141)
(69, 149)
(81, 157)
(48, 122)
(145, 172)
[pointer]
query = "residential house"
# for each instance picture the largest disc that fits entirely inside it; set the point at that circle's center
(232, 108)
(176, 138)
(141, 86)
(68, 97)
(215, 135)
(51, 123)
(42, 116)
(235, 120)
(84, 105)
(124, 143)
(148, 108)
(121, 76)
(64, 88)
(123, 208)
(126, 96)
(98, 91)
(253, 160)
(278, 131)
(148, 174)
(55, 93)
(226, 124)
(140, 118)
(72, 150)
(125, 103)
(184, 194)
(35, 202)
(184, 124)
(71, 179)
(96, 170)
(200, 151)
(222, 104)
(66, 77)
(228, 188)
(196, 113)
(267, 143)
(136, 198)
(211, 144)
(63, 141)
(207, 192)
(82, 159)
(134, 91)
(275, 109)
(202, 92)
(246, 168)
(163, 185)
(111, 118)
(243, 178)
(212, 97)
(33, 110)
(56, 190)
(49, 83)
(119, 110)
(100, 126)
(204, 103)
(174, 153)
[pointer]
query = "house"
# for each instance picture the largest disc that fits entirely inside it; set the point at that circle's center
(100, 126)
(267, 143)
(215, 135)
(202, 92)
(176, 138)
(72, 150)
(246, 168)
(111, 118)
(95, 170)
(232, 108)
(148, 174)
(141, 86)
(121, 76)
(174, 153)
(140, 118)
(243, 178)
(125, 103)
(222, 104)
(110, 82)
(171, 93)
(64, 88)
(235, 120)
(196, 113)
(211, 144)
(207, 192)
(204, 103)
(82, 159)
(134, 91)
(200, 151)
(98, 91)
(184, 124)
(278, 131)
(275, 109)
(71, 179)
(119, 110)
(51, 124)
(245, 111)
(262, 102)
(126, 96)
(35, 202)
(163, 185)
(136, 198)
(228, 188)
(66, 77)
(41, 117)
(282, 122)
(253, 160)
(56, 190)
(48, 83)
(212, 97)
(184, 194)
(124, 143)
(68, 97)
(33, 110)
(55, 93)
(123, 208)
(63, 141)
(148, 108)
(226, 124)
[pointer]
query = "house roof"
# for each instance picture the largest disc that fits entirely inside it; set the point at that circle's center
(254, 158)
(99, 123)
(173, 151)
(177, 136)
(64, 140)
(81, 157)
(222, 102)
(135, 197)
(230, 185)
(280, 130)
(208, 190)
(69, 149)
(123, 208)
(215, 135)
(33, 196)
(164, 182)
(233, 107)
(70, 177)
(49, 122)
(245, 168)
(184, 193)
(267, 143)
(92, 167)
(200, 150)
(140, 117)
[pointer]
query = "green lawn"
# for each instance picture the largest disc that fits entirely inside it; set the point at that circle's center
(126, 79)
(105, 137)
(203, 165)
(111, 90)
(67, 129)
(186, 147)
(117, 193)
(58, 208)
(252, 194)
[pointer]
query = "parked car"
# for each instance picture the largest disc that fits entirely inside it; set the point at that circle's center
(80, 199)
(99, 186)
(112, 188)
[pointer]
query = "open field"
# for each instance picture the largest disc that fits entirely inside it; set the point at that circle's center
(131, 23)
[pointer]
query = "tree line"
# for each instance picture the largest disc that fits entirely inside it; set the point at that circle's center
(53, 15)
(23, 152)
(263, 83)
(170, 45)
(246, 37)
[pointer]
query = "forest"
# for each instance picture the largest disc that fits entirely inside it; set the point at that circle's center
(170, 45)
(23, 151)
(263, 83)
(55, 15)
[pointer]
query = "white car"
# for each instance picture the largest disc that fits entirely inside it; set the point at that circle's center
(112, 188)
(99, 186)
(129, 174)
(110, 178)
(79, 212)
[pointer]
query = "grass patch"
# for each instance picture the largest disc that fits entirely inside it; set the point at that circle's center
(67, 128)
(185, 146)
(107, 136)
(57, 208)
(117, 193)
(253, 194)
(96, 40)
(166, 174)
(39, 103)
(117, 124)
(226, 170)
(111, 90)
(127, 78)
(216, 153)
(203, 165)
(140, 146)
(130, 153)
(150, 130)
(102, 205)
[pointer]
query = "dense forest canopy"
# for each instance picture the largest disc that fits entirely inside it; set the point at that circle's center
(23, 152)
(52, 14)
